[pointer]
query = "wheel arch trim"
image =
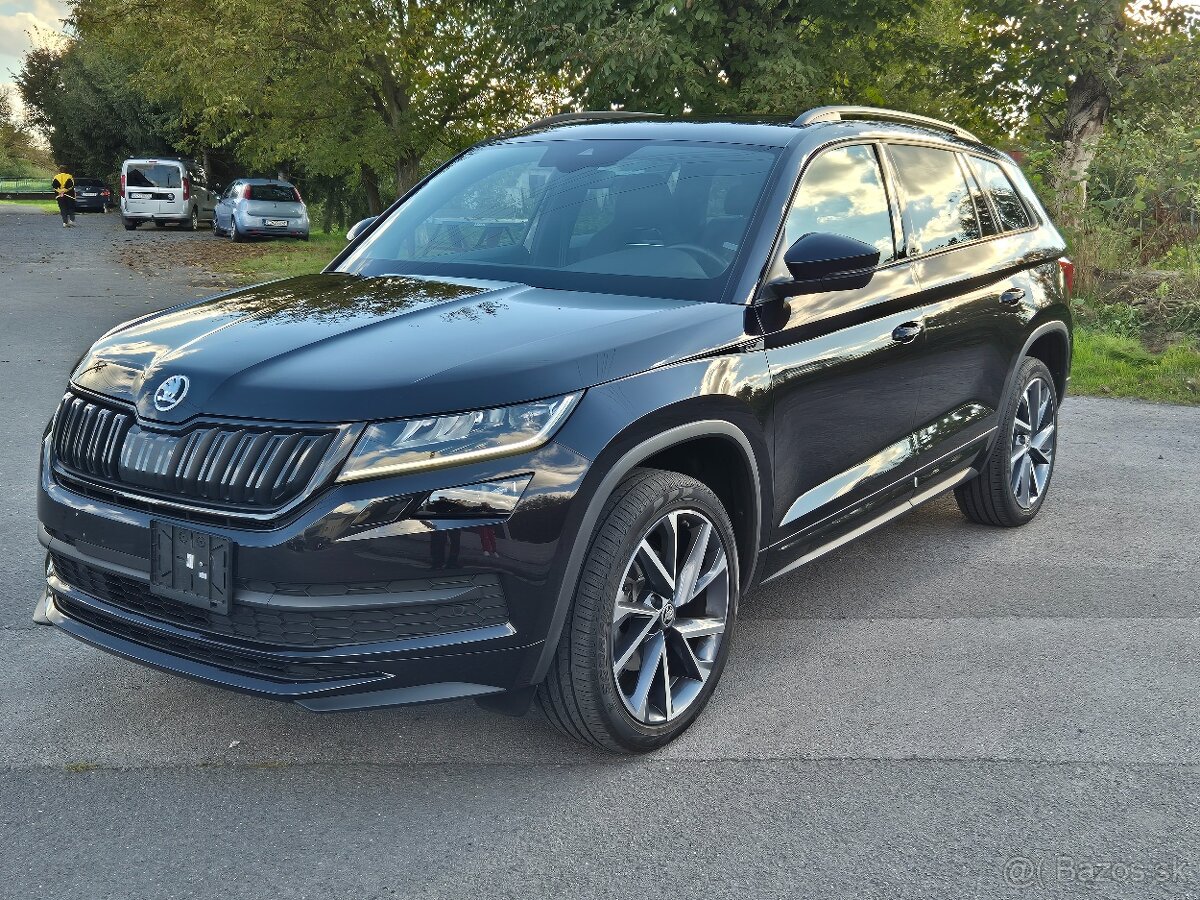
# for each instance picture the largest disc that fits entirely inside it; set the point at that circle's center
(1051, 326)
(628, 461)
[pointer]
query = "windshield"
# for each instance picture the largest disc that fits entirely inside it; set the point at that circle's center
(651, 218)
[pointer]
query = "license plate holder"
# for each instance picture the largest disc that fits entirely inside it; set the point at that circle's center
(192, 567)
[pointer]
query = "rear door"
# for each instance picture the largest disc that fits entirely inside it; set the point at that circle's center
(140, 199)
(846, 366)
(975, 283)
(225, 206)
(171, 190)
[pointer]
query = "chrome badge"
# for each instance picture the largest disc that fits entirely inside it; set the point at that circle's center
(171, 393)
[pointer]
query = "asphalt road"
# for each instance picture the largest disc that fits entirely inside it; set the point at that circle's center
(939, 710)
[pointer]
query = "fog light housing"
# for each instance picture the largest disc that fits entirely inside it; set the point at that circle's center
(482, 500)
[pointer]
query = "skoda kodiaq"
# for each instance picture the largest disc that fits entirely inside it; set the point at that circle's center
(533, 435)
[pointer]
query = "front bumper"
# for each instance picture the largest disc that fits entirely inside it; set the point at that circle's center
(325, 614)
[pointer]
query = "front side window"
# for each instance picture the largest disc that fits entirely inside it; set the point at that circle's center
(656, 218)
(938, 202)
(842, 193)
(1010, 210)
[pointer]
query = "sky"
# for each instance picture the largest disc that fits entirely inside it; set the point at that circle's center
(20, 23)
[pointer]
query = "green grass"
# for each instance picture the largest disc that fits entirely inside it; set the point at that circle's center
(1108, 365)
(44, 205)
(283, 259)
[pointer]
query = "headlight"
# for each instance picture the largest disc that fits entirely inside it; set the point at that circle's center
(410, 445)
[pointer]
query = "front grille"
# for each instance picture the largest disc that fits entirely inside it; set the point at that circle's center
(311, 629)
(234, 466)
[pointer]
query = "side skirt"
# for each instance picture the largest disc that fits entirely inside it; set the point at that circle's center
(893, 512)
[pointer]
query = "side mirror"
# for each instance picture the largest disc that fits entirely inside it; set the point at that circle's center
(359, 227)
(819, 255)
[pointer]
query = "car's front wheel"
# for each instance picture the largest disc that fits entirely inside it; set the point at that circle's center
(1012, 485)
(648, 632)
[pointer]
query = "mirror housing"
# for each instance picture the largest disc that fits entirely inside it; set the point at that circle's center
(820, 262)
(821, 255)
(359, 227)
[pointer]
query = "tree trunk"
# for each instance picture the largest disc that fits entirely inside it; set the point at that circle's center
(371, 185)
(331, 198)
(408, 173)
(1088, 102)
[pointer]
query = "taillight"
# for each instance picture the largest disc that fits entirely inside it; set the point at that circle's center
(296, 191)
(187, 188)
(122, 184)
(246, 192)
(1068, 273)
(104, 193)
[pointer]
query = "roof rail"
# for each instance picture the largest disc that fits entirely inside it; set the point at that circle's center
(586, 115)
(843, 113)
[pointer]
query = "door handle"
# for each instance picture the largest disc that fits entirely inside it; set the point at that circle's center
(1013, 295)
(907, 333)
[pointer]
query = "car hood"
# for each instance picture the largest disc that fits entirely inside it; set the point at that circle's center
(343, 348)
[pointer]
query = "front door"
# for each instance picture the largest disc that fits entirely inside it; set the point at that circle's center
(845, 367)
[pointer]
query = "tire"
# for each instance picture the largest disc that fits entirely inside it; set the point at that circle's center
(234, 235)
(130, 224)
(641, 640)
(192, 223)
(216, 229)
(1012, 484)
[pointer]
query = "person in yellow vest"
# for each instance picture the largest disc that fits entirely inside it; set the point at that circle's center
(64, 193)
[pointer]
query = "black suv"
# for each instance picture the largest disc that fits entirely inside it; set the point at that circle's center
(539, 427)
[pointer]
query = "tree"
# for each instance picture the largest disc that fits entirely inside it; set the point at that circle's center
(372, 88)
(713, 56)
(20, 154)
(82, 97)
(1063, 67)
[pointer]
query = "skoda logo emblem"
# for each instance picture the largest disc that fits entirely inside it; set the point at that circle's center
(171, 393)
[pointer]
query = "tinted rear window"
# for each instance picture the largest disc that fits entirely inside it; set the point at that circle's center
(88, 182)
(159, 175)
(938, 202)
(280, 193)
(1010, 211)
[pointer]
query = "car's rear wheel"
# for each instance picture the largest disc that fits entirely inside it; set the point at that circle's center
(130, 224)
(648, 632)
(193, 221)
(235, 235)
(1012, 485)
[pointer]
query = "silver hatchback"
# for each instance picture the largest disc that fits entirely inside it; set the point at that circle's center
(261, 207)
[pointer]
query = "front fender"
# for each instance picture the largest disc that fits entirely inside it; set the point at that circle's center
(622, 424)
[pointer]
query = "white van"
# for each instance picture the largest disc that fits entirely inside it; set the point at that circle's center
(165, 190)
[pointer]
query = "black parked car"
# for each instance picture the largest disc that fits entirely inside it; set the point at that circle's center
(539, 428)
(92, 195)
